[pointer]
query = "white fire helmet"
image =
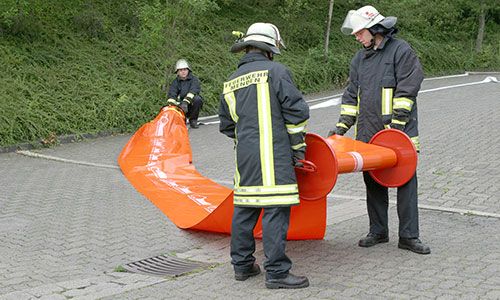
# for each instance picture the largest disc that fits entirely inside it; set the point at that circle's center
(365, 17)
(181, 64)
(264, 36)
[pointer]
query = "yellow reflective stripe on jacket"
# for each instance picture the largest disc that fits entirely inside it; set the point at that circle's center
(387, 103)
(403, 103)
(245, 80)
(266, 190)
(231, 104)
(298, 146)
(236, 172)
(301, 127)
(266, 201)
(350, 110)
(265, 133)
(341, 125)
(398, 122)
(416, 142)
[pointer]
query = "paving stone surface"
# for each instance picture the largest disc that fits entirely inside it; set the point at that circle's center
(66, 227)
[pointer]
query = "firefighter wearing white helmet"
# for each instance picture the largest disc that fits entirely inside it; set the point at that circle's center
(266, 115)
(185, 91)
(181, 64)
(264, 36)
(384, 80)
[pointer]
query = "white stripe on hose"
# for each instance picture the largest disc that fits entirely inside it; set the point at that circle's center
(358, 161)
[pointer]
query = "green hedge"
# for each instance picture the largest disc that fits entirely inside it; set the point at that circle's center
(82, 66)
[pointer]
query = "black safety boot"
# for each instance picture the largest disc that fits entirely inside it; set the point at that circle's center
(242, 276)
(193, 123)
(414, 245)
(372, 239)
(289, 282)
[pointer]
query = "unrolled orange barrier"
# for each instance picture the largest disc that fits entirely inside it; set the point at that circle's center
(157, 160)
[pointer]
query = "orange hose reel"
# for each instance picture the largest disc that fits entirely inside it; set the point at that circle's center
(390, 157)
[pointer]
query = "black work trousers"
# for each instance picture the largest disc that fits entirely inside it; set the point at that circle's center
(275, 223)
(377, 200)
(194, 108)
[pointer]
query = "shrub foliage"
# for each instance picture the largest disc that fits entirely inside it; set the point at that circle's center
(90, 66)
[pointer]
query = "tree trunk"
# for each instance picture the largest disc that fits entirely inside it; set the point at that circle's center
(480, 31)
(327, 32)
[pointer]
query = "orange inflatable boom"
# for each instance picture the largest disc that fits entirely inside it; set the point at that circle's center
(157, 160)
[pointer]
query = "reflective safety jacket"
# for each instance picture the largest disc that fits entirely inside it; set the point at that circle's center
(382, 90)
(183, 90)
(266, 115)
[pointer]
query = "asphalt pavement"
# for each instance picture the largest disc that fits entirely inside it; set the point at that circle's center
(69, 219)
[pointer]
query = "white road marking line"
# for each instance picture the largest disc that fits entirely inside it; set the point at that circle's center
(429, 207)
(71, 161)
(335, 99)
(486, 80)
(447, 76)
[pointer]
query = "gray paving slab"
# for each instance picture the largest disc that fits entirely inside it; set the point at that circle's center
(460, 266)
(68, 226)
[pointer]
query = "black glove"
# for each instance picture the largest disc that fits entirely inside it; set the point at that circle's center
(331, 132)
(340, 130)
(298, 155)
(397, 126)
(184, 106)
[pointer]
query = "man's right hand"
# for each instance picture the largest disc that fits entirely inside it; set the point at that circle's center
(298, 155)
(338, 131)
(184, 106)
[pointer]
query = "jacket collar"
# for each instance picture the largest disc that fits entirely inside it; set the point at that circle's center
(383, 42)
(252, 56)
(381, 46)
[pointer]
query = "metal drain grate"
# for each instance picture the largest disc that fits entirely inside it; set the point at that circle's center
(164, 265)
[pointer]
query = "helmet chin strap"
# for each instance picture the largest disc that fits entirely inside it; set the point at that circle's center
(372, 44)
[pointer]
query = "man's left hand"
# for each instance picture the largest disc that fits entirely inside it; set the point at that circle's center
(397, 126)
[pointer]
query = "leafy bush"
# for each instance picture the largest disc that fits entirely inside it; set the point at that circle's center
(93, 66)
(90, 22)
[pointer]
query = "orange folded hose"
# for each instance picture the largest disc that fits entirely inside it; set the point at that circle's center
(157, 160)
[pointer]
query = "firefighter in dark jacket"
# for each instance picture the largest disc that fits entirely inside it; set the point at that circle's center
(185, 92)
(266, 115)
(384, 81)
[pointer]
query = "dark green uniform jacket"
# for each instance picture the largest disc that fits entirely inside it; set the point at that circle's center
(266, 115)
(382, 90)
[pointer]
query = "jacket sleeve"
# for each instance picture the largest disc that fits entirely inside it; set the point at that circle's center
(294, 110)
(173, 93)
(227, 126)
(194, 89)
(409, 76)
(349, 106)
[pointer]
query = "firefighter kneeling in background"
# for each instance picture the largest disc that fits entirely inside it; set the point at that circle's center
(185, 91)
(266, 115)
